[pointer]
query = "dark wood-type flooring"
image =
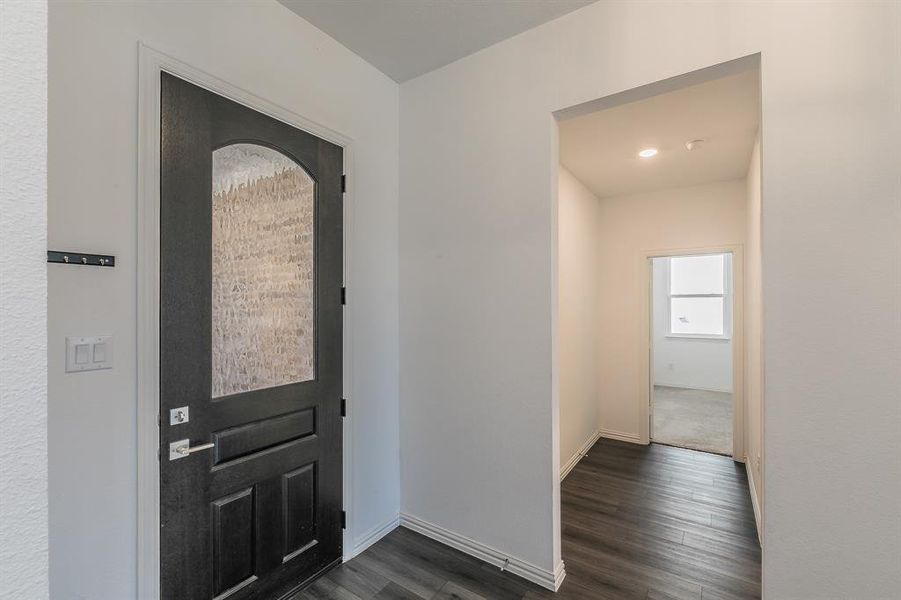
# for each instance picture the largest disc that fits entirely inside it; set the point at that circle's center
(639, 522)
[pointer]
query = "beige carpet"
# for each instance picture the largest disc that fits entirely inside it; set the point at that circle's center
(694, 419)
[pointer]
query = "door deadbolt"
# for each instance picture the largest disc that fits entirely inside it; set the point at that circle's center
(179, 415)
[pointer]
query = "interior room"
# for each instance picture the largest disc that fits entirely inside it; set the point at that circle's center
(691, 377)
(311, 299)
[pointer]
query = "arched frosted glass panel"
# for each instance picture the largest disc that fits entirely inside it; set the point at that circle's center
(263, 309)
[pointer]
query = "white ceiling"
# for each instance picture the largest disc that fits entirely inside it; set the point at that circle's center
(601, 148)
(406, 38)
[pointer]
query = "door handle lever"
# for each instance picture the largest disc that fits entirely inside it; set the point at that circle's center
(183, 448)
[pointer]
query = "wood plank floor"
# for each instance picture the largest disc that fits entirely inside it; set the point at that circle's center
(639, 522)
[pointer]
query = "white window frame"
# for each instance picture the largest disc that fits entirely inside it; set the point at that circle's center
(726, 296)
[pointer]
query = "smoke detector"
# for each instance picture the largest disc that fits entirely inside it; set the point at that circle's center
(694, 144)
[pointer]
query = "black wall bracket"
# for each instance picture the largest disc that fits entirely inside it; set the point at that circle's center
(80, 258)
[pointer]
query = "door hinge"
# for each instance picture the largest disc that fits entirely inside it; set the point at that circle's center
(343, 519)
(343, 184)
(343, 407)
(343, 295)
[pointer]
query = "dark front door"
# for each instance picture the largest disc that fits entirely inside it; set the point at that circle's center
(250, 350)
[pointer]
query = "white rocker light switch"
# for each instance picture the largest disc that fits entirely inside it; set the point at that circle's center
(89, 353)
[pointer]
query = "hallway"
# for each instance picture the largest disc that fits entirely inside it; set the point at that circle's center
(659, 522)
(639, 523)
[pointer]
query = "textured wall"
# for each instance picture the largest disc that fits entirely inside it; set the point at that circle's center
(23, 300)
(754, 368)
(579, 320)
(476, 259)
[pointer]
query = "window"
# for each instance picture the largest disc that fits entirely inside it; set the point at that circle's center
(699, 296)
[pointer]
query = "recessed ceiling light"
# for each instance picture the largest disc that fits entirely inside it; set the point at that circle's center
(648, 152)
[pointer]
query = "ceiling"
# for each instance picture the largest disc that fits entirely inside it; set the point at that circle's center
(601, 148)
(406, 38)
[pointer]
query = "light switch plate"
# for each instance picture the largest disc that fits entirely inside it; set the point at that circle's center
(89, 353)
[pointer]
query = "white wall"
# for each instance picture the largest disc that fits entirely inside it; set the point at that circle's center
(696, 363)
(23, 299)
(477, 263)
(578, 320)
(261, 47)
(701, 216)
(753, 308)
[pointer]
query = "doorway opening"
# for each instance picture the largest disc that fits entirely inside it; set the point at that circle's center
(691, 352)
(659, 322)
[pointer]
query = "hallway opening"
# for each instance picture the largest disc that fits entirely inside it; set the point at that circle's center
(659, 329)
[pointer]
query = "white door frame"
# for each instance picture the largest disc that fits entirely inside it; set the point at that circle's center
(151, 64)
(646, 378)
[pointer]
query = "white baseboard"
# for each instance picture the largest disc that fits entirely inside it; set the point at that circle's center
(547, 579)
(373, 535)
(559, 575)
(582, 451)
(753, 488)
(621, 436)
(682, 386)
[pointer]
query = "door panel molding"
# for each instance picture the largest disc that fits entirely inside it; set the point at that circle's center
(151, 63)
(252, 438)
